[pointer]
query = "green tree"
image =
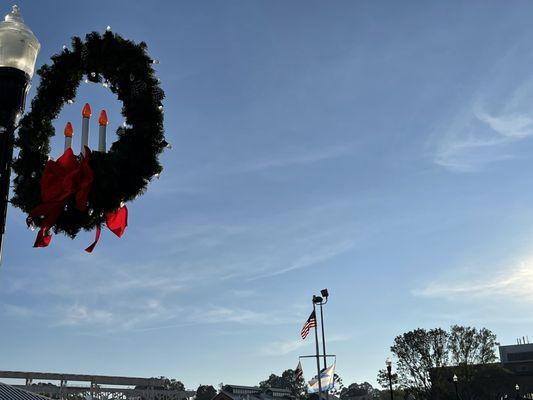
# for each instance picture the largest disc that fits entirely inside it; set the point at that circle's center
(168, 384)
(356, 389)
(173, 384)
(422, 356)
(417, 352)
(205, 392)
(287, 380)
(383, 379)
(471, 346)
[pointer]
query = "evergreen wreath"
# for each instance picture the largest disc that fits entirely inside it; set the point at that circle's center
(122, 173)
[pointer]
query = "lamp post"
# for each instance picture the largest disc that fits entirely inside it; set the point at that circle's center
(455, 379)
(317, 300)
(388, 362)
(320, 301)
(517, 388)
(18, 52)
(325, 295)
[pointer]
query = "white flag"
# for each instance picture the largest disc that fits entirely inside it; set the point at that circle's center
(326, 380)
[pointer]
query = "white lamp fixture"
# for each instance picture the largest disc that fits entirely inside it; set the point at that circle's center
(18, 45)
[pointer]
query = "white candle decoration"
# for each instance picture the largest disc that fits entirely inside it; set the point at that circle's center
(86, 116)
(103, 121)
(68, 135)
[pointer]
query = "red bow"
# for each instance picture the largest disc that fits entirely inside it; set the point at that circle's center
(62, 179)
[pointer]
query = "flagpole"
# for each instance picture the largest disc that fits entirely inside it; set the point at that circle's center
(317, 356)
(324, 343)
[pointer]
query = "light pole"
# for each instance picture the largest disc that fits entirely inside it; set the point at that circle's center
(455, 379)
(317, 300)
(18, 52)
(388, 362)
(325, 294)
(321, 302)
(517, 388)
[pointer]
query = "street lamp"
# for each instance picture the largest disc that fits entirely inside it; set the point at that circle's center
(455, 379)
(320, 301)
(388, 363)
(18, 52)
(517, 388)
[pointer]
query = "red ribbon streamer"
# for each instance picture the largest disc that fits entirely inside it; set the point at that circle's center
(116, 221)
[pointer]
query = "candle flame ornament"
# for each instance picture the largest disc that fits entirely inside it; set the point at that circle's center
(86, 112)
(68, 132)
(103, 121)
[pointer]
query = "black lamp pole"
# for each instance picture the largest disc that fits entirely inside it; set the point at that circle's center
(18, 52)
(455, 379)
(517, 388)
(325, 294)
(389, 373)
(14, 85)
(315, 301)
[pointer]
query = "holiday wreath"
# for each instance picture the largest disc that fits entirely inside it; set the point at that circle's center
(58, 200)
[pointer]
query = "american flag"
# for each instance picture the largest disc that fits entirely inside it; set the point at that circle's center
(310, 323)
(299, 372)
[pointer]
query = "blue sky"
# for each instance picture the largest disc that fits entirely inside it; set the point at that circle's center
(379, 149)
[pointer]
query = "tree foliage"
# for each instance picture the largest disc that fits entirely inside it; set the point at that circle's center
(471, 346)
(287, 380)
(173, 384)
(417, 352)
(205, 392)
(356, 390)
(383, 379)
(422, 355)
(168, 384)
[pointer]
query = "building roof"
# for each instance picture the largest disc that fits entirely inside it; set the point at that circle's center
(279, 392)
(8, 392)
(239, 389)
(323, 396)
(239, 392)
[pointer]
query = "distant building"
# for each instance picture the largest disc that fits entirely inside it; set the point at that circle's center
(515, 368)
(238, 392)
(518, 358)
(98, 387)
(368, 396)
(8, 392)
(314, 396)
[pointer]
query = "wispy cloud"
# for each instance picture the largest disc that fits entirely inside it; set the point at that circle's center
(16, 311)
(294, 157)
(192, 180)
(481, 139)
(85, 316)
(158, 292)
(488, 126)
(217, 314)
(283, 347)
(313, 257)
(513, 281)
